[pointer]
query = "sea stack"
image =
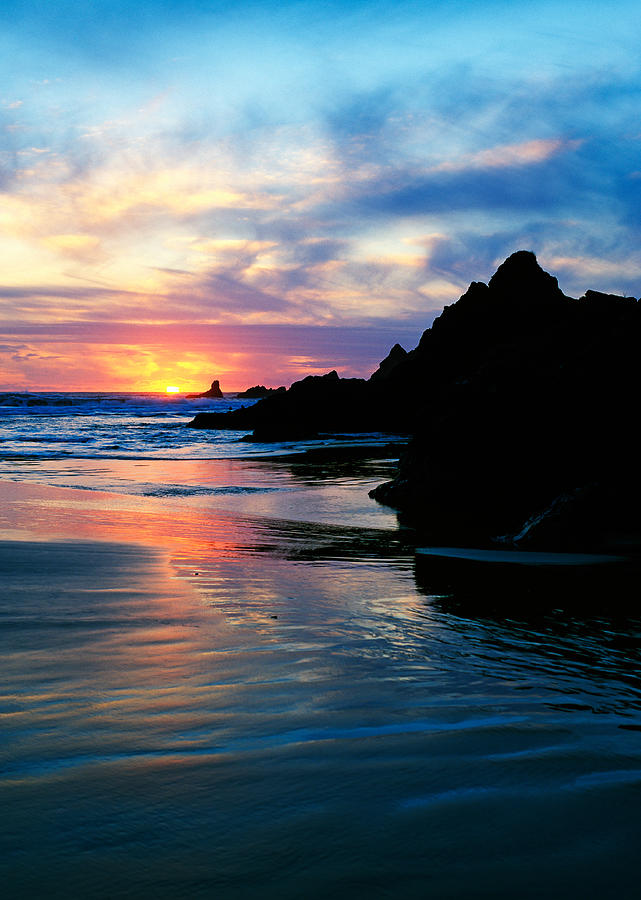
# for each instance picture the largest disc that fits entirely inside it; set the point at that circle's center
(214, 393)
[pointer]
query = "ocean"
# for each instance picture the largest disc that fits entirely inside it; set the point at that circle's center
(225, 672)
(137, 443)
(144, 426)
(109, 426)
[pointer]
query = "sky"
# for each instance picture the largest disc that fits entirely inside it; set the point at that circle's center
(256, 192)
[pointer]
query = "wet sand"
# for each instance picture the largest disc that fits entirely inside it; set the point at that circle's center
(202, 703)
(324, 486)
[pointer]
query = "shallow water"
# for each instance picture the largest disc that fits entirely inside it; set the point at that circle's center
(202, 702)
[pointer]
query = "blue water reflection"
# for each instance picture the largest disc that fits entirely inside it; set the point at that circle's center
(301, 712)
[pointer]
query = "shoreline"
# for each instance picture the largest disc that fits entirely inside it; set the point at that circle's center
(186, 531)
(328, 486)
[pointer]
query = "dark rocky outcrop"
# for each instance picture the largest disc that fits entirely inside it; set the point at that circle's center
(258, 392)
(214, 393)
(327, 404)
(319, 404)
(530, 427)
(523, 405)
(396, 356)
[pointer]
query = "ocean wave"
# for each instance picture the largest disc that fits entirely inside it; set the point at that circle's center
(46, 439)
(180, 490)
(56, 404)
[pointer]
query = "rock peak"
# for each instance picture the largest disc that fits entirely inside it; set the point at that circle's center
(396, 355)
(214, 393)
(521, 276)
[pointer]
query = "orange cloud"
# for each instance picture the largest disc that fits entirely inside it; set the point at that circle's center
(79, 246)
(506, 155)
(587, 267)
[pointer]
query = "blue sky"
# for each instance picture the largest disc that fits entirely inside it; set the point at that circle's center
(175, 177)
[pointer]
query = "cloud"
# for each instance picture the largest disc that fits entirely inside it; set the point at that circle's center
(237, 296)
(508, 156)
(496, 179)
(23, 357)
(77, 246)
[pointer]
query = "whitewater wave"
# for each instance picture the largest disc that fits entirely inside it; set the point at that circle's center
(111, 404)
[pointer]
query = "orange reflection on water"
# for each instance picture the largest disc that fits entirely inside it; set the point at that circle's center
(49, 513)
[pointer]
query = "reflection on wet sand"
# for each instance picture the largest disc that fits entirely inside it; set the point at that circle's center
(572, 634)
(292, 714)
(330, 488)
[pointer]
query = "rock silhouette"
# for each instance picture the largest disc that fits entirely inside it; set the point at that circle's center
(522, 402)
(529, 428)
(318, 404)
(214, 393)
(258, 392)
(395, 357)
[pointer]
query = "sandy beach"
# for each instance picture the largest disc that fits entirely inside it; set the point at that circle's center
(200, 703)
(144, 646)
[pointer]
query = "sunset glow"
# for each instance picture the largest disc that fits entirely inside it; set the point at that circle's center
(359, 169)
(172, 390)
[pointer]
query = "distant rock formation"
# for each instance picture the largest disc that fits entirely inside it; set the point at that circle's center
(317, 404)
(214, 393)
(258, 392)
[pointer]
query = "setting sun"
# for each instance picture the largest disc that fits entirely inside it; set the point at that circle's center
(172, 390)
